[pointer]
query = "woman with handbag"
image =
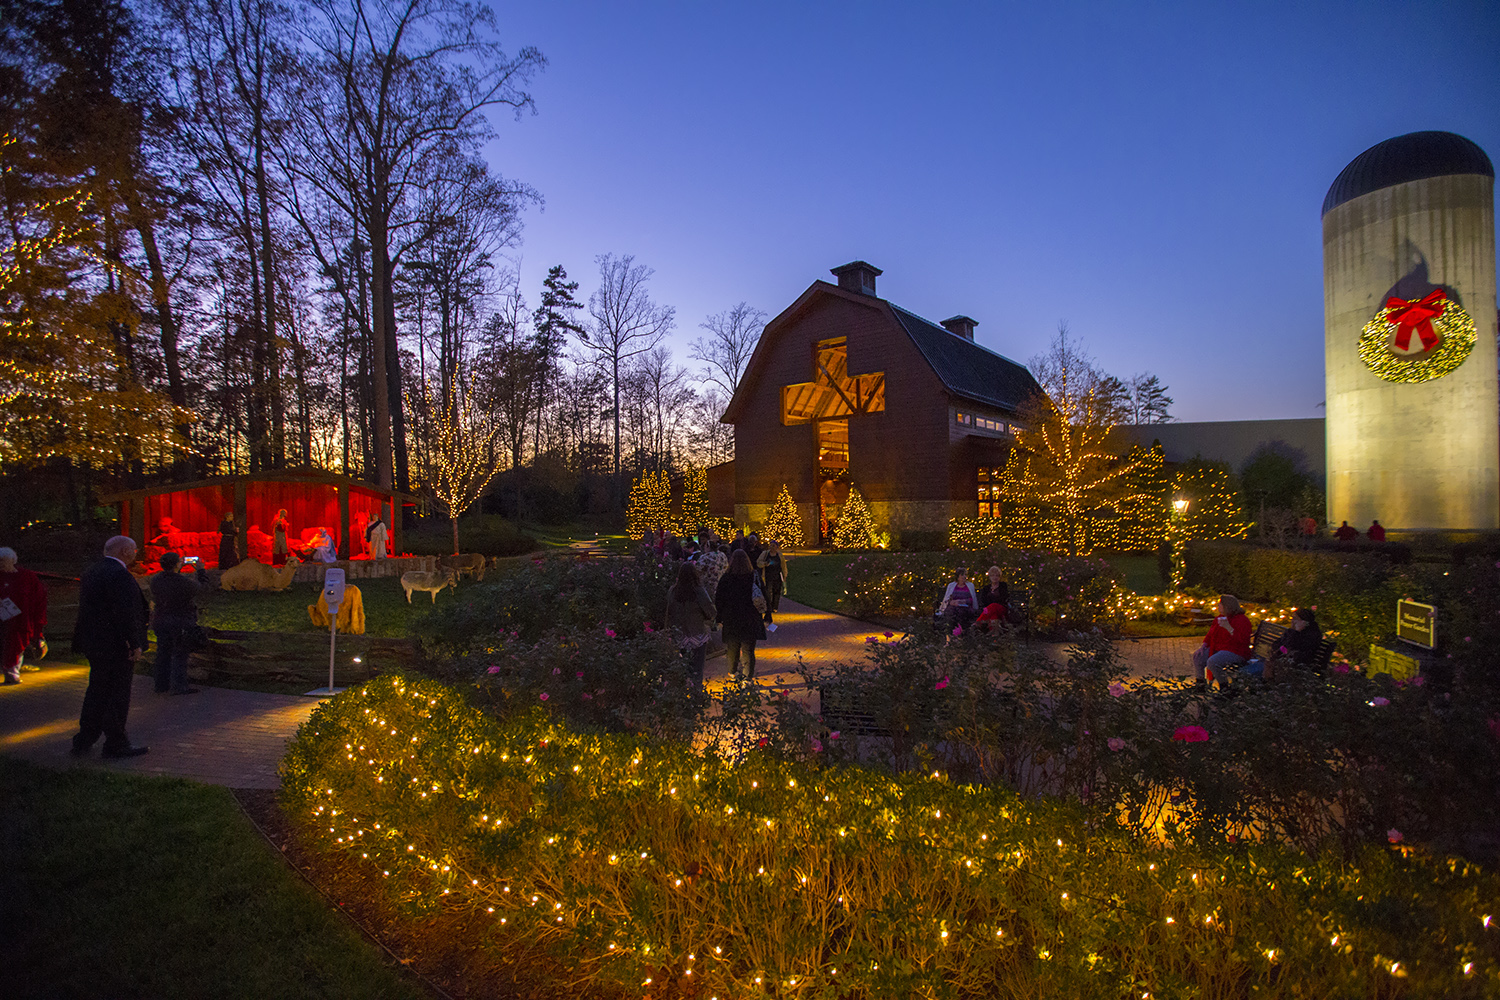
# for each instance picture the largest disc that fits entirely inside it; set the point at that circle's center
(743, 625)
(690, 614)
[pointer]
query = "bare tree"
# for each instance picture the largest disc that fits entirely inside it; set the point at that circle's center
(397, 87)
(1069, 375)
(732, 339)
(626, 324)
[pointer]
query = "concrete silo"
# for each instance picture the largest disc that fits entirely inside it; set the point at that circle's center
(1410, 324)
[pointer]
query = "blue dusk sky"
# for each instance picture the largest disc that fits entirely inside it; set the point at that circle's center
(1150, 173)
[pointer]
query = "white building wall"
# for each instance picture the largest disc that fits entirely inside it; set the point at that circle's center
(1417, 456)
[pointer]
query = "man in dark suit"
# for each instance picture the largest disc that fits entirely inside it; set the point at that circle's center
(111, 632)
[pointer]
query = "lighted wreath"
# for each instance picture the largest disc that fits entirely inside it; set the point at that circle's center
(1446, 331)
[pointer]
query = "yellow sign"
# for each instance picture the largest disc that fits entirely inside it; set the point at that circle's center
(1416, 623)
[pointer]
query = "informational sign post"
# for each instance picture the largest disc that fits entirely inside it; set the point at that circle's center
(332, 598)
(1416, 623)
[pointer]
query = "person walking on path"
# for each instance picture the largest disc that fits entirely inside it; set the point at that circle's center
(1227, 643)
(736, 610)
(690, 613)
(111, 632)
(711, 566)
(175, 621)
(773, 570)
(23, 614)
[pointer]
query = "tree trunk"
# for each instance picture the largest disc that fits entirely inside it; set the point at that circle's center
(380, 359)
(393, 375)
(454, 520)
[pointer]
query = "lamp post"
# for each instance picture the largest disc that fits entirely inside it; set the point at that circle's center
(1177, 536)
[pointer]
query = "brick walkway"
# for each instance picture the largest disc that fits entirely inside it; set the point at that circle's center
(218, 736)
(237, 738)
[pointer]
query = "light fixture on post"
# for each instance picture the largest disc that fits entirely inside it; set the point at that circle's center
(1177, 537)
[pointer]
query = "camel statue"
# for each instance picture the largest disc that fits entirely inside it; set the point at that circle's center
(251, 574)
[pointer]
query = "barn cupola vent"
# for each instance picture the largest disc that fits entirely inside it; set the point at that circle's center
(857, 276)
(960, 326)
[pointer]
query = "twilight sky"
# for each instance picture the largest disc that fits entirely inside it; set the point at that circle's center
(1152, 173)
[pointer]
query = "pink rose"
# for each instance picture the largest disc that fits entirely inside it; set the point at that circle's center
(870, 639)
(817, 746)
(958, 630)
(890, 635)
(556, 671)
(1419, 681)
(1394, 835)
(545, 696)
(647, 628)
(1116, 689)
(494, 668)
(1340, 668)
(1380, 702)
(1190, 734)
(579, 675)
(940, 684)
(834, 735)
(610, 632)
(587, 696)
(1116, 744)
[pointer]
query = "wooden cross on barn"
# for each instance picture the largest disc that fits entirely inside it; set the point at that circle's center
(833, 393)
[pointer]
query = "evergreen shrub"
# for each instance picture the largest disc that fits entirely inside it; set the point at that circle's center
(624, 863)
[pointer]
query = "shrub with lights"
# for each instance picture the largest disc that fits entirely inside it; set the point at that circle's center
(1066, 592)
(636, 865)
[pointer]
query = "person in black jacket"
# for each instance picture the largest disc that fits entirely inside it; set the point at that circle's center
(174, 620)
(736, 610)
(1301, 641)
(111, 632)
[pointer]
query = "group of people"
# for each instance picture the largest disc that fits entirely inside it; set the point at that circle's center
(735, 586)
(1348, 534)
(963, 605)
(1228, 643)
(111, 632)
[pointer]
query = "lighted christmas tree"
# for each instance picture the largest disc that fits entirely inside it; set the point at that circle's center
(650, 505)
(784, 523)
(694, 500)
(463, 454)
(855, 530)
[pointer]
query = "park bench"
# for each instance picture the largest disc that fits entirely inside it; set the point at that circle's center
(1265, 644)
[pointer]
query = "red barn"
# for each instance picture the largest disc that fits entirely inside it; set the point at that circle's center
(847, 389)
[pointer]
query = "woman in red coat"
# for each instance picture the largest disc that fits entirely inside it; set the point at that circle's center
(1227, 643)
(23, 606)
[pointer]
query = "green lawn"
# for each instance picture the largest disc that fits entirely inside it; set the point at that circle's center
(122, 887)
(818, 580)
(386, 610)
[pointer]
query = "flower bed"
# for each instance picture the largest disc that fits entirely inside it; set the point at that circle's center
(641, 866)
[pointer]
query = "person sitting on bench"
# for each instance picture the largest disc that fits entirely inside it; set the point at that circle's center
(1226, 645)
(1299, 646)
(960, 601)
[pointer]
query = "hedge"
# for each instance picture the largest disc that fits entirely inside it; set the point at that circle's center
(640, 866)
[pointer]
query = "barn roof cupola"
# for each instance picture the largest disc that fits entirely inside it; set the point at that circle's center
(960, 326)
(857, 276)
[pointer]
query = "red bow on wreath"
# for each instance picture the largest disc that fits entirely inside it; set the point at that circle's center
(1409, 316)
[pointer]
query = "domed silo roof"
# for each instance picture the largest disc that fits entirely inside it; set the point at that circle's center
(1412, 157)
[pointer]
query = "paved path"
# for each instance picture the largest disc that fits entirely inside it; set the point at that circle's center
(218, 736)
(237, 738)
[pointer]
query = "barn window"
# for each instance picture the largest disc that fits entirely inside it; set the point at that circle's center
(989, 491)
